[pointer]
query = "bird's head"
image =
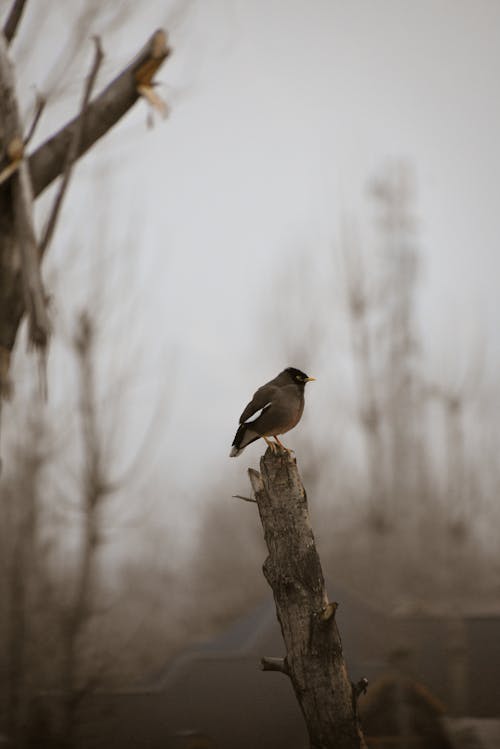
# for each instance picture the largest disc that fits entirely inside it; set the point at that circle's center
(297, 376)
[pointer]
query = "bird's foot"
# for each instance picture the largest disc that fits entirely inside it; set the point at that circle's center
(271, 445)
(280, 447)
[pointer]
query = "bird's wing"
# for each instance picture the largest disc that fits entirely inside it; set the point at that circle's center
(261, 398)
(282, 414)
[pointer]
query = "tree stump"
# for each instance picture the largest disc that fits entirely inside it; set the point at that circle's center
(314, 660)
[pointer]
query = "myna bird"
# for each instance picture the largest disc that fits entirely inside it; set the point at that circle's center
(276, 407)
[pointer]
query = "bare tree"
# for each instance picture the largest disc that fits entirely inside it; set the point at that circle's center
(364, 345)
(24, 176)
(96, 488)
(58, 624)
(393, 195)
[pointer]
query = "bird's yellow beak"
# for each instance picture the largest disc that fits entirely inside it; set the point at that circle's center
(310, 379)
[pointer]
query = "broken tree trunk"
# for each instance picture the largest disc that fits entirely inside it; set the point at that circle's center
(314, 660)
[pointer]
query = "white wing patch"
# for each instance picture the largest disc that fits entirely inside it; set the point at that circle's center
(257, 414)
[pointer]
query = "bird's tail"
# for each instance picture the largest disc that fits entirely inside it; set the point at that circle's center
(243, 437)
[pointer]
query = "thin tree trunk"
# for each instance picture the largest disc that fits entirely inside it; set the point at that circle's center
(314, 660)
(75, 686)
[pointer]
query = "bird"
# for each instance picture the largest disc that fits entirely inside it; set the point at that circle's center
(276, 407)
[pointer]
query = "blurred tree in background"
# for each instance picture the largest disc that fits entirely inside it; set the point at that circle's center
(60, 466)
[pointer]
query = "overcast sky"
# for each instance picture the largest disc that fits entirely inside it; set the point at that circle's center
(280, 111)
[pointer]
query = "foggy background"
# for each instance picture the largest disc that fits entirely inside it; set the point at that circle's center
(323, 194)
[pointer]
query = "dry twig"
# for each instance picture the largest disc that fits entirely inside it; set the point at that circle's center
(39, 107)
(72, 153)
(12, 22)
(245, 499)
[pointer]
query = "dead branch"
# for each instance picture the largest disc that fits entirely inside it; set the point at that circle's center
(314, 659)
(39, 107)
(12, 22)
(34, 295)
(360, 687)
(47, 162)
(72, 149)
(245, 499)
(22, 204)
(275, 664)
(7, 172)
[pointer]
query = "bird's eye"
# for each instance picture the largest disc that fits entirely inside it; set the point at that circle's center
(298, 377)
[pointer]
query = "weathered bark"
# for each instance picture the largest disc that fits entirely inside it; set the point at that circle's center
(48, 162)
(314, 660)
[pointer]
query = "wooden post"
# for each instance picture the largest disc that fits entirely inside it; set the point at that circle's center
(314, 660)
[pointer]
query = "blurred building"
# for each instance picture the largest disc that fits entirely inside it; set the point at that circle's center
(420, 667)
(457, 655)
